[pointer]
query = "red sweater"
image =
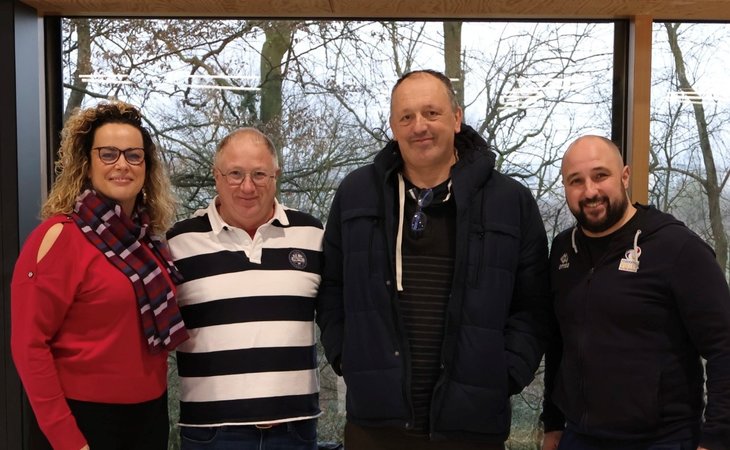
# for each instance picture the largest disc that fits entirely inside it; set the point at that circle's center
(76, 333)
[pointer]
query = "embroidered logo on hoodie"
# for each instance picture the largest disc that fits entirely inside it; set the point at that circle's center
(564, 262)
(630, 263)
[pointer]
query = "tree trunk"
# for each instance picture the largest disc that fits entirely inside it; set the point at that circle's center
(277, 44)
(711, 184)
(83, 66)
(452, 58)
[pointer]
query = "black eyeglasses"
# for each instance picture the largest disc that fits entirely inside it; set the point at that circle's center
(419, 219)
(235, 177)
(109, 155)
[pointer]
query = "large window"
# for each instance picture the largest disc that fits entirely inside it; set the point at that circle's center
(321, 90)
(690, 129)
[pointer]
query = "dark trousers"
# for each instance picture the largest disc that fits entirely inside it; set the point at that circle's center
(574, 441)
(377, 438)
(139, 426)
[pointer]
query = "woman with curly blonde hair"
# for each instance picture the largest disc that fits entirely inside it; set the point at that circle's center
(72, 167)
(93, 307)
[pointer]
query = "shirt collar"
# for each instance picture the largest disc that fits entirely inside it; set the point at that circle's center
(217, 224)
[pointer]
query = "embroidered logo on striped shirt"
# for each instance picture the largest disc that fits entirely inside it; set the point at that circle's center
(298, 259)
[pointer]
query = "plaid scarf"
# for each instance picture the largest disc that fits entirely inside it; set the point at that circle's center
(121, 240)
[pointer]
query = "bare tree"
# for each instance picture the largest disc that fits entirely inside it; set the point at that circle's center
(83, 64)
(453, 66)
(685, 137)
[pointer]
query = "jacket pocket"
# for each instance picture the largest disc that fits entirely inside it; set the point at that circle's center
(492, 245)
(473, 409)
(474, 398)
(375, 395)
(365, 259)
(622, 399)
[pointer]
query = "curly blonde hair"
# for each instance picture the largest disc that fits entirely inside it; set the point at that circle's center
(72, 167)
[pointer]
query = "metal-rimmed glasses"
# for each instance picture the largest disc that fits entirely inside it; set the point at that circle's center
(420, 219)
(110, 155)
(235, 177)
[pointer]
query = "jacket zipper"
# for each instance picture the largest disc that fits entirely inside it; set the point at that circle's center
(581, 372)
(444, 367)
(398, 337)
(442, 376)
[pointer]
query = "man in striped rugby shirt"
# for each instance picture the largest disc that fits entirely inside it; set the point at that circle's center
(251, 269)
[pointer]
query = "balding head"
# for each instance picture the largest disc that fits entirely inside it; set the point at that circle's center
(251, 134)
(595, 181)
(596, 144)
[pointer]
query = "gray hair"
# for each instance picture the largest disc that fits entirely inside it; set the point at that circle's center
(255, 133)
(436, 74)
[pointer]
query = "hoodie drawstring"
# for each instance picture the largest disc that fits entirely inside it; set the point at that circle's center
(399, 234)
(637, 251)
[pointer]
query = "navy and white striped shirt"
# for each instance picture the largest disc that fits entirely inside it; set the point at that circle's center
(248, 305)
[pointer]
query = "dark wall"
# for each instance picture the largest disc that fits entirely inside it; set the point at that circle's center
(10, 393)
(22, 181)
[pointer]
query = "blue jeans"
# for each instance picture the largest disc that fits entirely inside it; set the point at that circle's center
(296, 435)
(574, 441)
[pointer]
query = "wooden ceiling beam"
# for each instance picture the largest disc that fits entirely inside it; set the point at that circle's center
(684, 10)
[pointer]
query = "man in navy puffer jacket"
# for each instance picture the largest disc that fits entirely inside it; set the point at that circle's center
(434, 302)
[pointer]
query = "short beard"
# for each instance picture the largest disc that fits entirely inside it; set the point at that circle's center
(614, 213)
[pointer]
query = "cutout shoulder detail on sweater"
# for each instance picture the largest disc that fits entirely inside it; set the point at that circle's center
(48, 240)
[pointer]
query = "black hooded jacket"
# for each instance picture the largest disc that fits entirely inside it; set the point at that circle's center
(495, 324)
(632, 339)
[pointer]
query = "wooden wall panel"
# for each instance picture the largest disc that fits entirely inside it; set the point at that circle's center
(639, 106)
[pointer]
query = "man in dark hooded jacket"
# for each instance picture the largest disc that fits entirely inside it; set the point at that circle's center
(434, 301)
(639, 299)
